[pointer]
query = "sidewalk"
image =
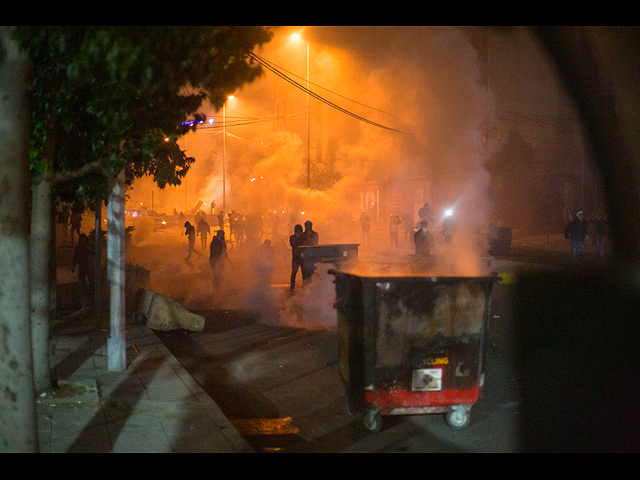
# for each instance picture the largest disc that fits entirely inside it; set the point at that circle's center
(154, 406)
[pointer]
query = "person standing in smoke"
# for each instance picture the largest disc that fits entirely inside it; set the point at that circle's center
(203, 231)
(217, 256)
(576, 232)
(423, 240)
(190, 232)
(309, 239)
(295, 241)
(425, 213)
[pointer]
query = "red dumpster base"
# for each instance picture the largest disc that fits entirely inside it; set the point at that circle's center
(456, 404)
(403, 402)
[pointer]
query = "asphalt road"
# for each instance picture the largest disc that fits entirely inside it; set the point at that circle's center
(282, 389)
(276, 376)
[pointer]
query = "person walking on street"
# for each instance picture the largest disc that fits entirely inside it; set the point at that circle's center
(295, 241)
(576, 232)
(217, 257)
(203, 231)
(190, 232)
(75, 222)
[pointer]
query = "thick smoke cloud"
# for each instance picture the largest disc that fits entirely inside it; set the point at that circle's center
(424, 83)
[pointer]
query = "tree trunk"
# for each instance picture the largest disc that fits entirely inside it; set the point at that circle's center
(40, 252)
(116, 351)
(18, 431)
(97, 282)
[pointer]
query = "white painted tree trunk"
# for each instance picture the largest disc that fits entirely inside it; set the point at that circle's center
(18, 431)
(40, 257)
(116, 347)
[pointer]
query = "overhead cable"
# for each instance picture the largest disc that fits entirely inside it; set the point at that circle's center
(332, 92)
(265, 63)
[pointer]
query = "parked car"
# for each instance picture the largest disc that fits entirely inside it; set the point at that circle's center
(144, 215)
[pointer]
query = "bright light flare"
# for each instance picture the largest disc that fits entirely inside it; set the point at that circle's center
(295, 37)
(448, 212)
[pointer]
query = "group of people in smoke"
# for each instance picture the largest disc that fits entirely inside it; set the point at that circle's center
(217, 248)
(300, 238)
(577, 232)
(218, 254)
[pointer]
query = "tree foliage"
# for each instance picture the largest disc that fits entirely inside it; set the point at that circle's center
(112, 97)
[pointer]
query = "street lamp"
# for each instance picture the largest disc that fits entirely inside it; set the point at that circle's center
(297, 37)
(224, 151)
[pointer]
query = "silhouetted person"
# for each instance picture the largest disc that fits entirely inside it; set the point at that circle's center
(425, 213)
(75, 222)
(423, 240)
(309, 239)
(266, 251)
(190, 232)
(576, 232)
(203, 231)
(217, 256)
(309, 236)
(295, 241)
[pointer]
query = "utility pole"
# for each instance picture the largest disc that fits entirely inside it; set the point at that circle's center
(308, 127)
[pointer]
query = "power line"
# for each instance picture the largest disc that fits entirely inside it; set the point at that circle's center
(273, 69)
(332, 92)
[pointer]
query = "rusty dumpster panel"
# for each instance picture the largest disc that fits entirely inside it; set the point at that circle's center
(411, 344)
(330, 253)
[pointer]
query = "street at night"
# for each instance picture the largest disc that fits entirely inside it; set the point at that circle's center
(304, 239)
(277, 378)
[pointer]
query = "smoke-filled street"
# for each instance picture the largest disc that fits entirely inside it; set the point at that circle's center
(269, 359)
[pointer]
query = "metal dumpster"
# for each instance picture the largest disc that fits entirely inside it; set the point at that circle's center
(344, 253)
(412, 344)
(330, 253)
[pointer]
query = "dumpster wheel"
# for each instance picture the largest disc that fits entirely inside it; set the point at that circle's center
(372, 420)
(458, 417)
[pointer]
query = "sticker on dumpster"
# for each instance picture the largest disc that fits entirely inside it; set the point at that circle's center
(427, 379)
(437, 361)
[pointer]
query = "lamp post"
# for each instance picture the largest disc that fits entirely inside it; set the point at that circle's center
(224, 152)
(297, 37)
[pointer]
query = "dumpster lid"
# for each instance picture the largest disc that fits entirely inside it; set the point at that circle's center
(386, 274)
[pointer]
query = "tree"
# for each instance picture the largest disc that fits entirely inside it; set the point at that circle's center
(107, 101)
(17, 399)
